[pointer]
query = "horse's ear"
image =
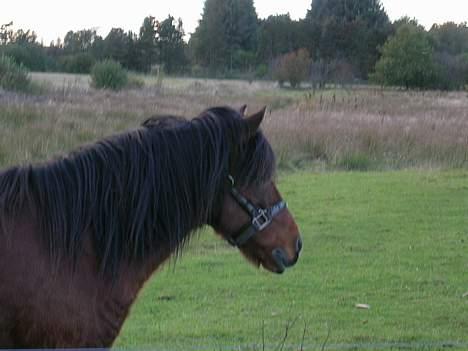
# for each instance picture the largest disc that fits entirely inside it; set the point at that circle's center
(253, 122)
(242, 110)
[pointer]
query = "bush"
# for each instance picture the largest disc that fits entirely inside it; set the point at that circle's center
(261, 71)
(109, 74)
(293, 67)
(135, 82)
(13, 76)
(355, 162)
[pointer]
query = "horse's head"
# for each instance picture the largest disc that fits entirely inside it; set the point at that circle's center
(252, 215)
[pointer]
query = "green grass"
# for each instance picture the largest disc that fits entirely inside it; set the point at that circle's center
(397, 241)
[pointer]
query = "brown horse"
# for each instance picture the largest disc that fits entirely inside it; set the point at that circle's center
(80, 235)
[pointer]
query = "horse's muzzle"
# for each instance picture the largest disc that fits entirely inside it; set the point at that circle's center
(281, 258)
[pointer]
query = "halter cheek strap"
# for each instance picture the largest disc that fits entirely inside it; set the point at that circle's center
(260, 217)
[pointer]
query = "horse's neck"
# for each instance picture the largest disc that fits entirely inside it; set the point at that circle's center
(133, 276)
(118, 296)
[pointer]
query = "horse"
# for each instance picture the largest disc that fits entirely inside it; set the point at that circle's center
(80, 234)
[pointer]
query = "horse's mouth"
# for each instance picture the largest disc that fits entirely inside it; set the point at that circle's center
(281, 260)
(276, 263)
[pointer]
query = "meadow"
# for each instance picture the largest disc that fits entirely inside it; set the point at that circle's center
(351, 128)
(393, 238)
(396, 241)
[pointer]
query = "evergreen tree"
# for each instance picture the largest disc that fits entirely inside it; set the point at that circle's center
(349, 30)
(227, 30)
(279, 35)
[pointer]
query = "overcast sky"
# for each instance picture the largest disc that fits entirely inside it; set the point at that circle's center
(53, 18)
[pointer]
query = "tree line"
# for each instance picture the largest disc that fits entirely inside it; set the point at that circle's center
(340, 41)
(157, 43)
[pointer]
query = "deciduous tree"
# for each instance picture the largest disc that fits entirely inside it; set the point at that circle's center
(407, 59)
(171, 44)
(147, 43)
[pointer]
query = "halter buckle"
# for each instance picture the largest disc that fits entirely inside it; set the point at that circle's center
(261, 220)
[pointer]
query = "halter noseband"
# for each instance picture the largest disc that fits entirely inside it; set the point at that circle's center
(260, 217)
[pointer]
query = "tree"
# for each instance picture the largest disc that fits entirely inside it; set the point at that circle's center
(97, 49)
(405, 20)
(278, 35)
(293, 67)
(147, 44)
(407, 59)
(32, 56)
(21, 46)
(228, 28)
(208, 41)
(347, 29)
(133, 57)
(6, 33)
(451, 70)
(115, 46)
(171, 44)
(80, 41)
(20, 36)
(450, 38)
(450, 42)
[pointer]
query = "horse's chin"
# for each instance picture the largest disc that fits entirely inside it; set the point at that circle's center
(267, 264)
(274, 268)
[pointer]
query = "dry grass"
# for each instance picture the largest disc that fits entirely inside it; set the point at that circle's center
(353, 129)
(371, 128)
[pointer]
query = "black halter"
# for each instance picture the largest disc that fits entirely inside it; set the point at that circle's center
(260, 217)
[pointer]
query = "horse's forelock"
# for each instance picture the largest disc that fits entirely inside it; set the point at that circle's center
(255, 161)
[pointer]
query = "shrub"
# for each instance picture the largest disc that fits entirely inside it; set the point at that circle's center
(109, 74)
(261, 71)
(293, 68)
(135, 82)
(13, 76)
(355, 162)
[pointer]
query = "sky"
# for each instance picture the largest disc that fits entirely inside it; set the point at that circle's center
(51, 19)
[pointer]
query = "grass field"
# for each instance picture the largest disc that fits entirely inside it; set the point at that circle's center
(397, 241)
(395, 237)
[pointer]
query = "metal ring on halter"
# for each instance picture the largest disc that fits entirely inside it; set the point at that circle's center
(260, 217)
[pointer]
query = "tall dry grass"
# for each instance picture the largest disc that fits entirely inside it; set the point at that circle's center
(351, 129)
(374, 128)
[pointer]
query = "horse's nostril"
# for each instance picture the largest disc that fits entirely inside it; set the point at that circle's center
(299, 245)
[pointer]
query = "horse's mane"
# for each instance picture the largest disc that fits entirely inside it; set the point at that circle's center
(136, 191)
